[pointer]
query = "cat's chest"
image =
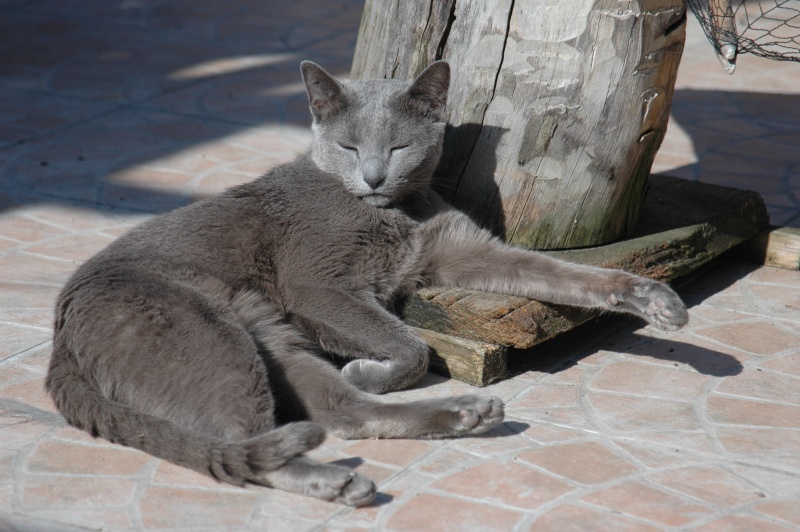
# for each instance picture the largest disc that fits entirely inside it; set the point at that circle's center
(380, 253)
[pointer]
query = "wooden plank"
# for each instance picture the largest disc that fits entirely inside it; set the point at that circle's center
(774, 246)
(476, 363)
(684, 226)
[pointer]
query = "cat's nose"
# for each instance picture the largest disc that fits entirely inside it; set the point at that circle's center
(374, 172)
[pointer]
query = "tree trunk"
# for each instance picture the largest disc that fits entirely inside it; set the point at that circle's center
(556, 108)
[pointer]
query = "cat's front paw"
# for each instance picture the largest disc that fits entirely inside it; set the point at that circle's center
(653, 301)
(477, 414)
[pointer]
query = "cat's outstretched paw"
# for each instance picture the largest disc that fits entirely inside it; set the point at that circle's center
(477, 414)
(653, 301)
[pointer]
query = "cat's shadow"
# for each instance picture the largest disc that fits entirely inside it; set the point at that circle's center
(617, 334)
(465, 176)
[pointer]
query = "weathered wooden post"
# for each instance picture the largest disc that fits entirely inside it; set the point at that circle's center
(557, 107)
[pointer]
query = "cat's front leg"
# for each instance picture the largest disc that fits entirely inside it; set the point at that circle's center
(456, 252)
(389, 356)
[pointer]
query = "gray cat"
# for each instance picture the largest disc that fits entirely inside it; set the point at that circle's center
(196, 336)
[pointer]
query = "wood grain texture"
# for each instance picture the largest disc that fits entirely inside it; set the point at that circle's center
(556, 108)
(687, 225)
(476, 363)
(778, 247)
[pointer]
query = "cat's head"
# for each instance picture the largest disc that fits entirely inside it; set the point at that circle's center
(383, 138)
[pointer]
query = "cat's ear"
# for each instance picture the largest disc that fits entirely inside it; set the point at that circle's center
(428, 93)
(325, 94)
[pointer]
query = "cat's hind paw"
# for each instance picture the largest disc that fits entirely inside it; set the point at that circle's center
(329, 482)
(653, 301)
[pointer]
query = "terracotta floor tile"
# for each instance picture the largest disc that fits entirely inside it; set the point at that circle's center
(626, 413)
(36, 359)
(779, 276)
(53, 491)
(20, 433)
(285, 505)
(434, 512)
(754, 384)
(759, 338)
(498, 441)
(744, 523)
(788, 364)
(650, 381)
(786, 510)
(163, 507)
(31, 393)
(71, 434)
(15, 374)
(30, 295)
(78, 248)
(271, 522)
(695, 441)
(39, 318)
(545, 396)
(174, 475)
(18, 337)
(391, 495)
(729, 410)
(775, 481)
(35, 269)
(62, 458)
(710, 484)
(546, 433)
(508, 483)
(655, 456)
(219, 181)
(378, 474)
(572, 417)
(447, 461)
(102, 518)
(578, 519)
(758, 441)
(642, 501)
(779, 301)
(21, 228)
(75, 218)
(393, 452)
(586, 463)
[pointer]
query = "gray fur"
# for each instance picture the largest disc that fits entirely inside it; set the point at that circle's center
(196, 336)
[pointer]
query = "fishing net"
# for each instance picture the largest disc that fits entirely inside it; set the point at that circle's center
(767, 28)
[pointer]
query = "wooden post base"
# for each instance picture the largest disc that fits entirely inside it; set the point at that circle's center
(775, 246)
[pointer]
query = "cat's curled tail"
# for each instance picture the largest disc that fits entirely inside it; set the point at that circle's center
(235, 462)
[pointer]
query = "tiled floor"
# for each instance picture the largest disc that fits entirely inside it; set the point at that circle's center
(112, 111)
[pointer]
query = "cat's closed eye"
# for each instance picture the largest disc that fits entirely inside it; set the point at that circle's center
(348, 148)
(398, 148)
